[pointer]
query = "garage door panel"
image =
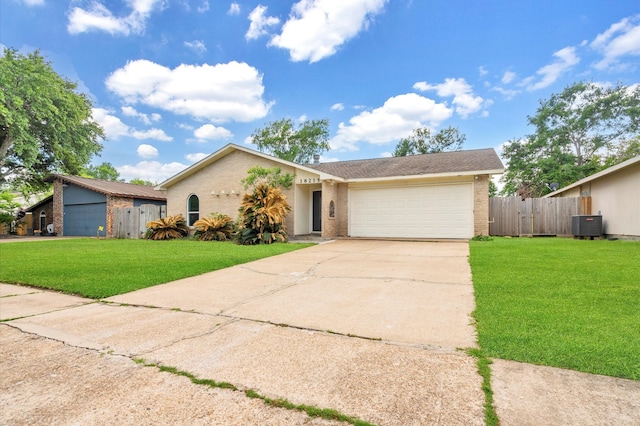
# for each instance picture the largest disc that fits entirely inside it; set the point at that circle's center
(430, 211)
(84, 219)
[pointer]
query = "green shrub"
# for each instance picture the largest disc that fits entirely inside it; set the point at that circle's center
(262, 216)
(167, 228)
(481, 237)
(217, 227)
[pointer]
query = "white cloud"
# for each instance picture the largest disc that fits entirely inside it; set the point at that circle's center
(222, 92)
(157, 134)
(619, 40)
(197, 46)
(130, 111)
(566, 59)
(234, 9)
(386, 154)
(508, 77)
(395, 119)
(211, 132)
(508, 93)
(482, 71)
(147, 151)
(195, 157)
(99, 18)
(317, 28)
(33, 2)
(203, 7)
(114, 128)
(153, 171)
(260, 23)
(464, 100)
(337, 107)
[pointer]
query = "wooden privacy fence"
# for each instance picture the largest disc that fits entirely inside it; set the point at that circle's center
(513, 216)
(131, 222)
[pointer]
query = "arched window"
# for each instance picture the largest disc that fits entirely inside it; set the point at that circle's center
(43, 220)
(193, 209)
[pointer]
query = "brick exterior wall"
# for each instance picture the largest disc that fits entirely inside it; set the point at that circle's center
(49, 217)
(329, 223)
(342, 210)
(338, 225)
(58, 208)
(481, 205)
(225, 175)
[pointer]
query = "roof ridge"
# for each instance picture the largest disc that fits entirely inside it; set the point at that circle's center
(404, 156)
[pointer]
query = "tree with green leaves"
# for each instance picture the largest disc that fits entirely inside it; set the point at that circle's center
(296, 144)
(104, 171)
(580, 131)
(138, 181)
(421, 141)
(8, 207)
(45, 124)
(273, 176)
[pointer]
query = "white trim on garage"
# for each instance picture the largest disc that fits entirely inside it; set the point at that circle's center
(443, 210)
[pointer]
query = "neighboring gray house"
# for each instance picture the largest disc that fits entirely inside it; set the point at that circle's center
(615, 194)
(81, 205)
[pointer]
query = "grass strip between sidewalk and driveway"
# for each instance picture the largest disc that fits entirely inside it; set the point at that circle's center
(102, 268)
(311, 411)
(559, 302)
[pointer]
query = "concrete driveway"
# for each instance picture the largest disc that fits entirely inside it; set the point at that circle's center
(368, 328)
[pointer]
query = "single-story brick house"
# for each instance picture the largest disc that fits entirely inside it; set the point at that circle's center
(615, 194)
(80, 205)
(442, 195)
(39, 215)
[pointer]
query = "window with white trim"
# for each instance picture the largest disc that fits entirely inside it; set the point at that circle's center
(193, 209)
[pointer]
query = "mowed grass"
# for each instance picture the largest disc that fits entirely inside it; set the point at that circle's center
(567, 303)
(102, 268)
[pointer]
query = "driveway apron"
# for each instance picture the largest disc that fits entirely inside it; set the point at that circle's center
(371, 329)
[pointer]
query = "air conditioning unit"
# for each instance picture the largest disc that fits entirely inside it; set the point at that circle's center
(586, 226)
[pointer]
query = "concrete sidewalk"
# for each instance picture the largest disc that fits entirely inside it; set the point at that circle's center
(368, 328)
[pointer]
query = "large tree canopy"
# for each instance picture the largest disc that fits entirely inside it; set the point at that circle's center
(282, 139)
(421, 141)
(578, 132)
(104, 171)
(45, 125)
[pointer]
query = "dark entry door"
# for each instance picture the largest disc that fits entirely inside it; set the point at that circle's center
(317, 211)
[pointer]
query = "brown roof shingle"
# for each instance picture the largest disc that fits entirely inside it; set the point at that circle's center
(119, 189)
(413, 165)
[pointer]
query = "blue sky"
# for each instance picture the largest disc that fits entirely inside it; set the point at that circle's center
(174, 80)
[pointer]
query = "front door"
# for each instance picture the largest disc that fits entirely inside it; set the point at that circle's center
(317, 211)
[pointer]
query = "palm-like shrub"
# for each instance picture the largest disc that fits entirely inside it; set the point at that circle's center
(262, 216)
(167, 228)
(217, 227)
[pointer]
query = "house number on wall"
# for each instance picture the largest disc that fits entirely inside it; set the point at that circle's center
(311, 180)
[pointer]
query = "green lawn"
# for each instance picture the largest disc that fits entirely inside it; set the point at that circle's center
(102, 268)
(560, 302)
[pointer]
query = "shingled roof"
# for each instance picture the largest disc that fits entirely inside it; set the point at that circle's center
(107, 187)
(476, 160)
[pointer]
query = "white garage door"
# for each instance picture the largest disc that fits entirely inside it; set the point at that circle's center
(434, 211)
